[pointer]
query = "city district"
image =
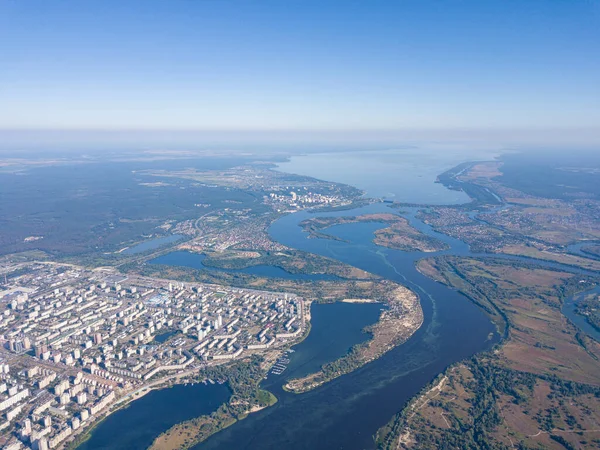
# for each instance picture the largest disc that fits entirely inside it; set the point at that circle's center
(75, 343)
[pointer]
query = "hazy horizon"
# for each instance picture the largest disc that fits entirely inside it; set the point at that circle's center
(14, 142)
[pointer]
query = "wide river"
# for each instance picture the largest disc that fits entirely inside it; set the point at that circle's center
(346, 412)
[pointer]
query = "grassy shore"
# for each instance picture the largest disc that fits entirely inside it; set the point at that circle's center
(538, 388)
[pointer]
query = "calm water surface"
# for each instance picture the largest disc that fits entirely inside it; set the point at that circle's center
(136, 426)
(346, 412)
(569, 307)
(335, 328)
(164, 337)
(405, 175)
(152, 244)
(195, 261)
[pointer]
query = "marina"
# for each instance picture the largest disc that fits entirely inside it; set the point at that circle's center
(280, 366)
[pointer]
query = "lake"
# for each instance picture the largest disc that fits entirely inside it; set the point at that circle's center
(136, 426)
(346, 412)
(164, 337)
(335, 328)
(195, 261)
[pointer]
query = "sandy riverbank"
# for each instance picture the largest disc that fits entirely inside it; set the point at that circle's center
(359, 300)
(394, 327)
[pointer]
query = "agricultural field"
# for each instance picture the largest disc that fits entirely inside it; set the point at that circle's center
(540, 387)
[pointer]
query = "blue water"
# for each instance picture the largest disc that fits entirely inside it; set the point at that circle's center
(577, 249)
(195, 261)
(335, 328)
(160, 338)
(405, 175)
(580, 321)
(152, 244)
(136, 426)
(346, 412)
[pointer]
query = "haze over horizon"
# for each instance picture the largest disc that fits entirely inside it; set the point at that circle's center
(386, 72)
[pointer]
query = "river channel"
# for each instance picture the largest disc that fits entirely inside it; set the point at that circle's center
(346, 412)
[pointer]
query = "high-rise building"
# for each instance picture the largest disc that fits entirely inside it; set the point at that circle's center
(40, 444)
(40, 350)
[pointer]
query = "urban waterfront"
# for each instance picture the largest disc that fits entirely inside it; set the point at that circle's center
(137, 425)
(334, 329)
(346, 412)
(300, 225)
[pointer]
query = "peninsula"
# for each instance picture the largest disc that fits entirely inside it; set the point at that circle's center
(395, 326)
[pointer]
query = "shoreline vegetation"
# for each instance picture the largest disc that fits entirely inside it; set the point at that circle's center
(243, 378)
(124, 402)
(323, 291)
(294, 262)
(398, 235)
(587, 307)
(394, 327)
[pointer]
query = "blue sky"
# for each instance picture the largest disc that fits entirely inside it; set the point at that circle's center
(287, 65)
